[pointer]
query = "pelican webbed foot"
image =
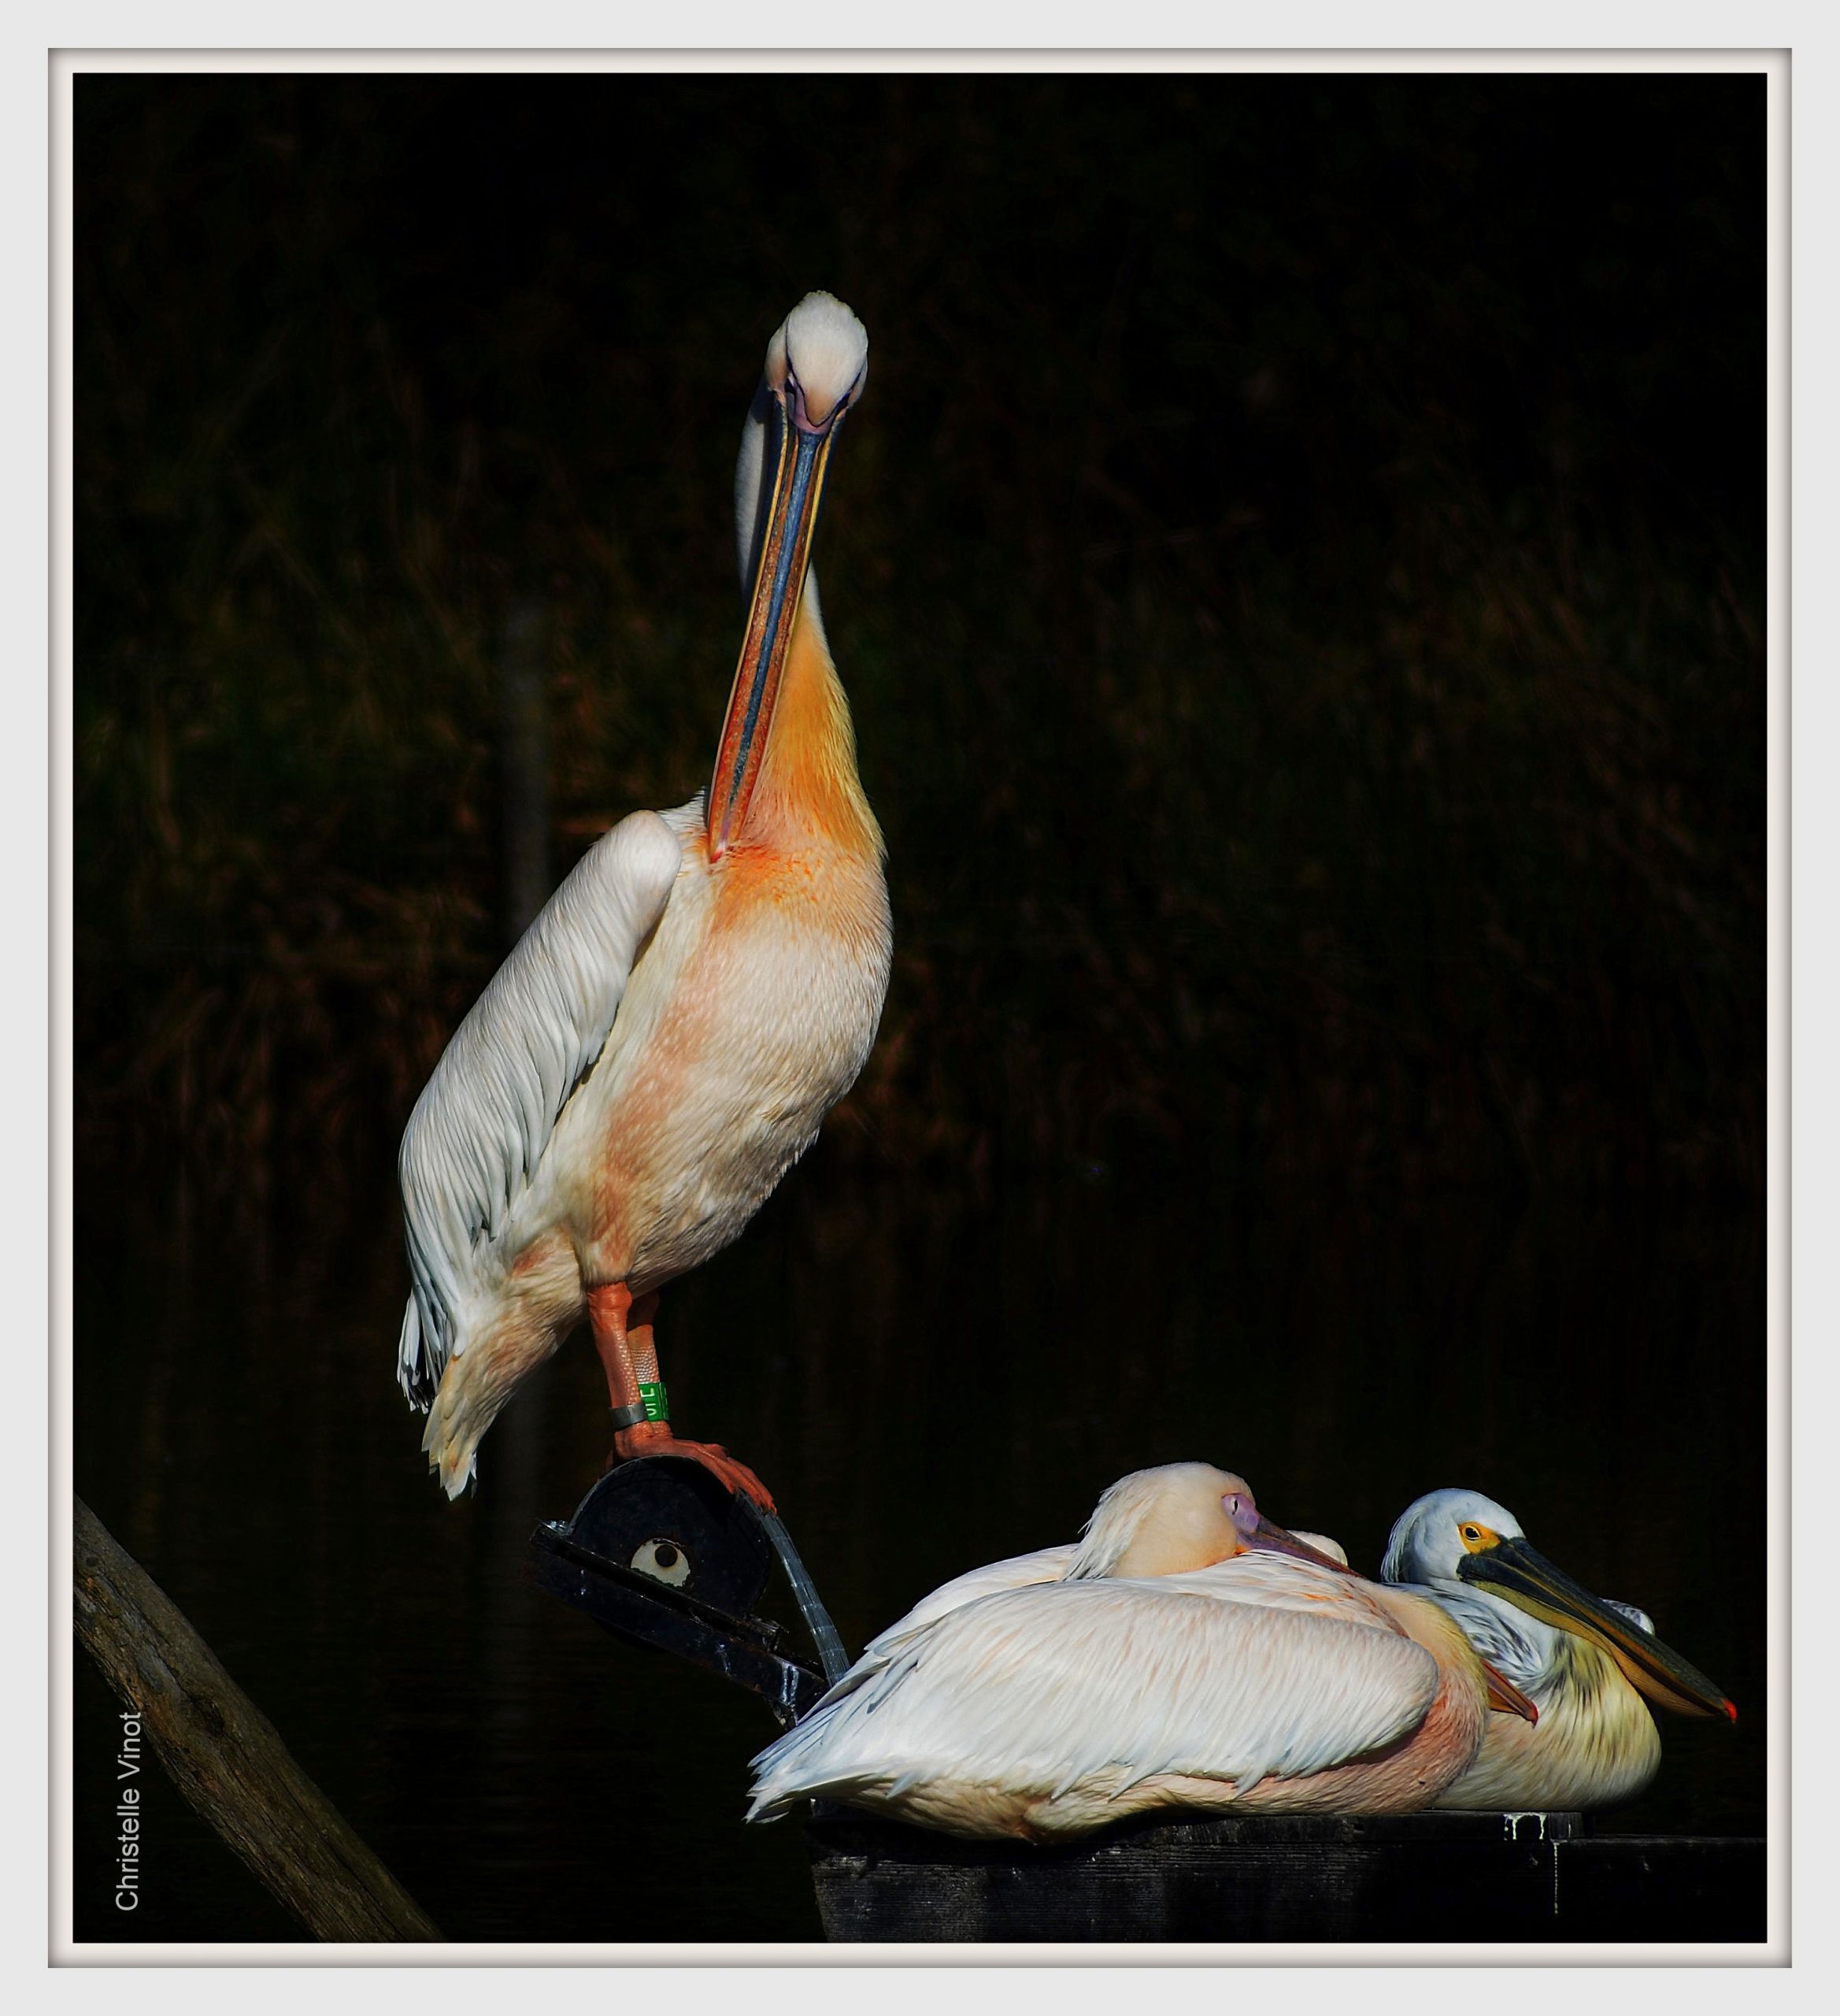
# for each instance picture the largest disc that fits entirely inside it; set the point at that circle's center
(654, 1438)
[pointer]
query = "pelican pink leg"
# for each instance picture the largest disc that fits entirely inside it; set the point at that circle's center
(622, 1327)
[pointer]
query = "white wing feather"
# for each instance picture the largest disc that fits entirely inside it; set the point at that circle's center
(1251, 1577)
(484, 1119)
(1036, 1689)
(1048, 1564)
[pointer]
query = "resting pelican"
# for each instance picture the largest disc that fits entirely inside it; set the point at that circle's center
(667, 1035)
(1186, 1653)
(1586, 1664)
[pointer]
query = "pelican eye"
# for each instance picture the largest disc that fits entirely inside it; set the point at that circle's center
(1241, 1511)
(1474, 1537)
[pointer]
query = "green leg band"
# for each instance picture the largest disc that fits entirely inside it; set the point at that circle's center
(652, 1396)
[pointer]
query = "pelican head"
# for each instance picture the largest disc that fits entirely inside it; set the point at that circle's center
(1459, 1541)
(817, 364)
(1181, 1516)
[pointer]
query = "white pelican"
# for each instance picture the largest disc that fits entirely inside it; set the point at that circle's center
(1187, 1653)
(666, 1038)
(1585, 1663)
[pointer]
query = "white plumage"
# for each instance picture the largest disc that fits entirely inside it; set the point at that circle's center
(1046, 1695)
(485, 1118)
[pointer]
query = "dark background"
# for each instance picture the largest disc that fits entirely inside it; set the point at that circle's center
(1298, 573)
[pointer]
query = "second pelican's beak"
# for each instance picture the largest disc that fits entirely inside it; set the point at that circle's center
(798, 448)
(1525, 1577)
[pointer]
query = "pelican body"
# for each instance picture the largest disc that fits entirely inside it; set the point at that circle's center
(1587, 1665)
(1186, 1653)
(666, 1038)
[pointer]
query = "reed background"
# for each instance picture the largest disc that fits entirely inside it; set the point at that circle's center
(1298, 570)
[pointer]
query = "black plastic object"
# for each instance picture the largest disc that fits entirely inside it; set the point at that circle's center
(661, 1553)
(668, 1519)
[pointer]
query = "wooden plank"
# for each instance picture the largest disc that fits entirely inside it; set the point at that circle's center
(1428, 1878)
(224, 1755)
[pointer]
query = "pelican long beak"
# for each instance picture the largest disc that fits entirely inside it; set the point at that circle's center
(1273, 1539)
(799, 448)
(1525, 1577)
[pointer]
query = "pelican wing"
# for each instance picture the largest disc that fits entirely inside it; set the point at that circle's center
(1251, 1577)
(1047, 1564)
(1036, 1690)
(485, 1118)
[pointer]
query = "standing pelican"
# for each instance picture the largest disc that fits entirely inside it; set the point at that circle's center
(1586, 1664)
(666, 1038)
(1186, 1653)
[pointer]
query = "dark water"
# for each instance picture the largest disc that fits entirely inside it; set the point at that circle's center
(927, 1380)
